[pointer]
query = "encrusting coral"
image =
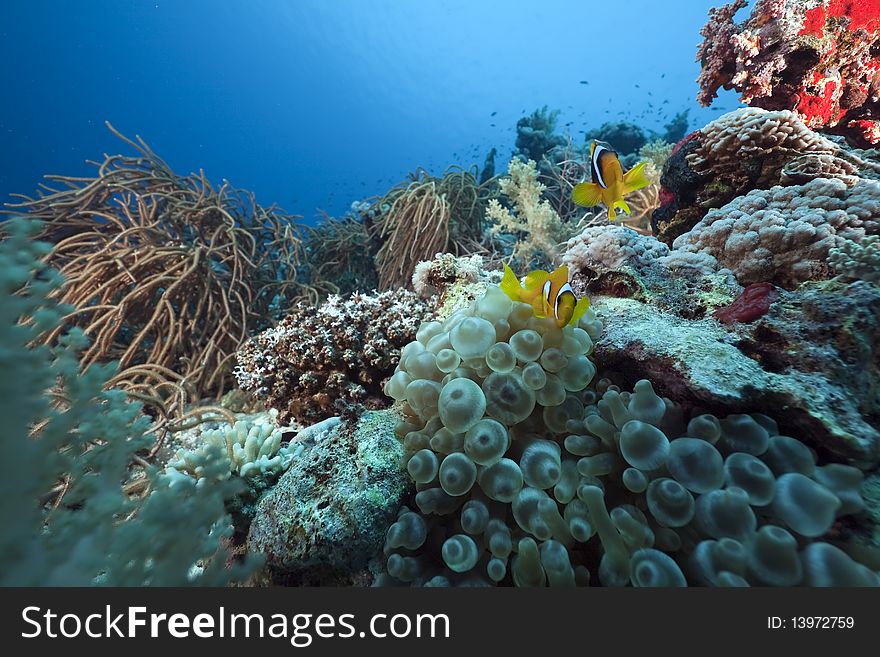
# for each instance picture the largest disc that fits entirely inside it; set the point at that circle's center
(164, 273)
(325, 519)
(783, 235)
(529, 475)
(315, 359)
(818, 59)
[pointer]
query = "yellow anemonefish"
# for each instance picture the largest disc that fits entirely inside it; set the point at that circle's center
(609, 184)
(549, 295)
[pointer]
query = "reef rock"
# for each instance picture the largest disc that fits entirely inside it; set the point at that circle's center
(811, 362)
(326, 518)
(819, 59)
(617, 261)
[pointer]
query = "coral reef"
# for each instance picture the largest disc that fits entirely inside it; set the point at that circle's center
(818, 59)
(164, 273)
(455, 281)
(626, 138)
(425, 216)
(617, 261)
(534, 134)
(783, 235)
(677, 127)
(532, 218)
(783, 363)
(713, 418)
(315, 359)
(745, 150)
(325, 519)
(68, 520)
(528, 475)
(488, 170)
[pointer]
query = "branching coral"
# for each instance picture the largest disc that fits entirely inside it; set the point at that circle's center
(532, 217)
(426, 216)
(251, 447)
(857, 259)
(818, 59)
(783, 235)
(317, 359)
(165, 274)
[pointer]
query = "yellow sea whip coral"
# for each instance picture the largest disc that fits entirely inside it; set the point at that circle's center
(426, 216)
(165, 274)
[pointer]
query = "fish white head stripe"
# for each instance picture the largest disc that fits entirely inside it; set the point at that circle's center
(565, 288)
(547, 291)
(596, 152)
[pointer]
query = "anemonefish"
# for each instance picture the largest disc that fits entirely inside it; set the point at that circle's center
(609, 184)
(549, 295)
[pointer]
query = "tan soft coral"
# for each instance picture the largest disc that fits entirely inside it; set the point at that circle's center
(533, 218)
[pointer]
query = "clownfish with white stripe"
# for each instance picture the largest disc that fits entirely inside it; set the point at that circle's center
(549, 294)
(610, 184)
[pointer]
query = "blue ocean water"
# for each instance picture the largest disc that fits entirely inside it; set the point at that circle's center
(318, 103)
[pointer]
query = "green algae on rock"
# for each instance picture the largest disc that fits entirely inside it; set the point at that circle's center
(327, 516)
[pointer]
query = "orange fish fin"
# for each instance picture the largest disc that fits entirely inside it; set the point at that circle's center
(539, 306)
(560, 275)
(619, 204)
(635, 178)
(579, 309)
(586, 194)
(535, 280)
(510, 284)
